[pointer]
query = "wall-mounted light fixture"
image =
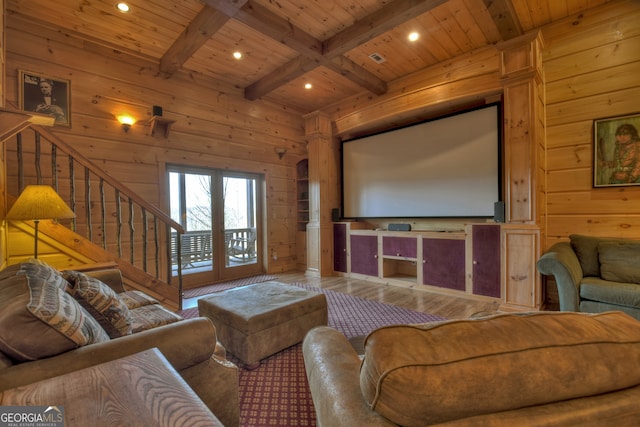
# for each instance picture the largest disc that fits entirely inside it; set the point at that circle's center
(280, 151)
(126, 121)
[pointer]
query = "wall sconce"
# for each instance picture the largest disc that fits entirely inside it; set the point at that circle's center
(126, 122)
(280, 151)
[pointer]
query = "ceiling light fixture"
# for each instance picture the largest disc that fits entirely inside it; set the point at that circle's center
(413, 36)
(308, 86)
(123, 7)
(237, 55)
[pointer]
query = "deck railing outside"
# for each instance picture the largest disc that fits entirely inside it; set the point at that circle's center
(197, 248)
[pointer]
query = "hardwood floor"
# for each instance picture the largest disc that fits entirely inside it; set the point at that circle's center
(450, 307)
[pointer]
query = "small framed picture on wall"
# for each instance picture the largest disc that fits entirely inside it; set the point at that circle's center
(616, 157)
(45, 95)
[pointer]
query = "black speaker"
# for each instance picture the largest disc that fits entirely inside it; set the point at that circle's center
(335, 214)
(498, 211)
(399, 227)
(157, 110)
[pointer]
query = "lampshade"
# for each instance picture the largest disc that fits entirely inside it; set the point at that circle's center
(39, 202)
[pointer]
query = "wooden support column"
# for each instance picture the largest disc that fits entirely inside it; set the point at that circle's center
(324, 190)
(521, 71)
(524, 170)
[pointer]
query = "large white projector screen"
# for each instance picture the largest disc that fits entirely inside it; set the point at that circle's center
(448, 167)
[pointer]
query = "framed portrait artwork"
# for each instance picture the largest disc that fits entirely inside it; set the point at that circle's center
(616, 157)
(45, 95)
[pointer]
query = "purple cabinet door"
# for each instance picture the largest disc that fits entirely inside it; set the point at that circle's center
(340, 247)
(364, 255)
(443, 263)
(486, 260)
(400, 246)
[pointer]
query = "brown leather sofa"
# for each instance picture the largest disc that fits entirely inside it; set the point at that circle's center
(48, 328)
(540, 369)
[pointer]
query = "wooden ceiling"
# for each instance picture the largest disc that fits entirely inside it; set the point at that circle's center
(287, 43)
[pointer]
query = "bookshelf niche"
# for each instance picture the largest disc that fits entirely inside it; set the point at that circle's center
(302, 192)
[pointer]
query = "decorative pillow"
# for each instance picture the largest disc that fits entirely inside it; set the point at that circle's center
(135, 299)
(430, 374)
(586, 248)
(102, 302)
(620, 261)
(39, 319)
(152, 316)
(53, 276)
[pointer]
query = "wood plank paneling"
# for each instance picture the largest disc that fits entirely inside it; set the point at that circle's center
(590, 84)
(591, 62)
(598, 58)
(213, 128)
(600, 225)
(466, 67)
(601, 23)
(605, 202)
(283, 43)
(591, 67)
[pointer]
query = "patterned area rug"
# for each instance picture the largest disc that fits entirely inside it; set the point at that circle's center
(277, 392)
(217, 287)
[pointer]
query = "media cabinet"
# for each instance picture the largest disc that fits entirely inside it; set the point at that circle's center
(483, 260)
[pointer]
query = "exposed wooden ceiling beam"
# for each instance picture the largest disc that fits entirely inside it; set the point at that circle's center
(315, 53)
(279, 77)
(273, 26)
(357, 74)
(505, 18)
(266, 22)
(195, 35)
(377, 23)
(228, 7)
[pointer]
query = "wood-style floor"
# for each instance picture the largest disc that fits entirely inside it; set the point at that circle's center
(444, 305)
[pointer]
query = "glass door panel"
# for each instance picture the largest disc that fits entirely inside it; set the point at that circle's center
(191, 207)
(219, 211)
(240, 221)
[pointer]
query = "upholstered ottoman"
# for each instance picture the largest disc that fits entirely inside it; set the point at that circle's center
(259, 320)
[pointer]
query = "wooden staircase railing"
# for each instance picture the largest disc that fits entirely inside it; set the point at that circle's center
(108, 213)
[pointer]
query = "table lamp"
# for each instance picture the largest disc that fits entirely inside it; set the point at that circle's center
(39, 202)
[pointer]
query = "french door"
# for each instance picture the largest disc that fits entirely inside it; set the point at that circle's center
(220, 213)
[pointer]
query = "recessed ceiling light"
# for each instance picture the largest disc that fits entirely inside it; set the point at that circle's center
(308, 86)
(237, 55)
(123, 7)
(413, 36)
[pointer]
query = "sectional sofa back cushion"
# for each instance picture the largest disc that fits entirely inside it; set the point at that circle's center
(429, 374)
(39, 318)
(586, 249)
(620, 261)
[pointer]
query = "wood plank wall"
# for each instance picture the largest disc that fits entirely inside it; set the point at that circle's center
(591, 65)
(592, 70)
(214, 125)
